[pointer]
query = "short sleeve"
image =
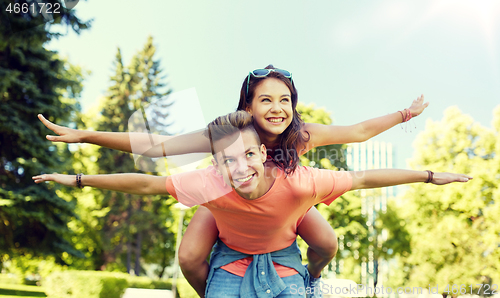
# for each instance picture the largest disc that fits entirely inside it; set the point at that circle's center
(330, 185)
(169, 184)
(196, 187)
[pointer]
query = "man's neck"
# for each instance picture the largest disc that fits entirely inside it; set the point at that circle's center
(271, 172)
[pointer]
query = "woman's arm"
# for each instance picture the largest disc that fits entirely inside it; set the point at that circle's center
(138, 184)
(138, 143)
(391, 177)
(332, 134)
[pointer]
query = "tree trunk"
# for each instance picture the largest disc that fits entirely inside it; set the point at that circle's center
(138, 253)
(129, 244)
(129, 255)
(163, 265)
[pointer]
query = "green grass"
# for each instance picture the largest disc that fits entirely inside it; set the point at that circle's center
(11, 291)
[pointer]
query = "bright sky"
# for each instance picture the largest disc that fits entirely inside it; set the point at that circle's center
(358, 59)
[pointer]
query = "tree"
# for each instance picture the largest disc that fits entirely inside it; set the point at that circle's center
(325, 157)
(359, 234)
(454, 229)
(345, 213)
(131, 225)
(33, 219)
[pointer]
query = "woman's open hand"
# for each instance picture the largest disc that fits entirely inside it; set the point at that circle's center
(64, 134)
(418, 106)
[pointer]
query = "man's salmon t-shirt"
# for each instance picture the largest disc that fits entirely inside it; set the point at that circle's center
(265, 224)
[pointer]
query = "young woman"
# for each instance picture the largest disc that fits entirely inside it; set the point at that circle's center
(270, 96)
(256, 204)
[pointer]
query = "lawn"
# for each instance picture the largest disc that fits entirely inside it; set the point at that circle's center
(11, 291)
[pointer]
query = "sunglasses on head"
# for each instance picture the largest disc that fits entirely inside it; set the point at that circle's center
(261, 73)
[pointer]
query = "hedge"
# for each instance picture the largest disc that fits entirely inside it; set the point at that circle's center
(10, 279)
(14, 279)
(143, 282)
(85, 284)
(99, 284)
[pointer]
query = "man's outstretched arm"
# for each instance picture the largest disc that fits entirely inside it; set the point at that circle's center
(391, 177)
(139, 184)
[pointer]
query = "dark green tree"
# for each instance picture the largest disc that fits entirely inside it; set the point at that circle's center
(33, 219)
(132, 224)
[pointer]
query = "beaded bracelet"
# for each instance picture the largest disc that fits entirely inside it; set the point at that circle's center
(79, 180)
(402, 117)
(405, 118)
(430, 176)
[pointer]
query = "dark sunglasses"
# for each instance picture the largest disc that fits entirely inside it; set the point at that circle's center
(261, 73)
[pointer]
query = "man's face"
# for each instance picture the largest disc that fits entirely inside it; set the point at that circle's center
(241, 163)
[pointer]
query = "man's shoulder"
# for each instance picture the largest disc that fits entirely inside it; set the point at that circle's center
(304, 171)
(208, 174)
(307, 172)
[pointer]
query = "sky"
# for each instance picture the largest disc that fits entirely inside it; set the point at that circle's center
(357, 59)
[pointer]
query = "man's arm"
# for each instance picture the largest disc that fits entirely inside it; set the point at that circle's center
(391, 177)
(139, 184)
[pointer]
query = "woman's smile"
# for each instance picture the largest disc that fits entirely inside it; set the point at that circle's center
(277, 120)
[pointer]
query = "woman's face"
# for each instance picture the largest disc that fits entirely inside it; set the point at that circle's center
(271, 107)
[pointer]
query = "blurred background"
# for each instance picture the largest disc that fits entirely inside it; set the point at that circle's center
(92, 64)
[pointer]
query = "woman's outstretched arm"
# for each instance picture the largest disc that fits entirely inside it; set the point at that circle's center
(151, 145)
(333, 134)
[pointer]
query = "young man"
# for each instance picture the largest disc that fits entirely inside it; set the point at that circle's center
(256, 206)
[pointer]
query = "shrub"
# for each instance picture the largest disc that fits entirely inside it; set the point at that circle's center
(184, 290)
(98, 284)
(85, 284)
(10, 279)
(143, 282)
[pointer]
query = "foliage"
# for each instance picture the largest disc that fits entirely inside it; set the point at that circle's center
(344, 214)
(184, 290)
(7, 278)
(29, 269)
(117, 227)
(33, 219)
(11, 290)
(86, 284)
(143, 282)
(359, 234)
(105, 284)
(455, 233)
(325, 157)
